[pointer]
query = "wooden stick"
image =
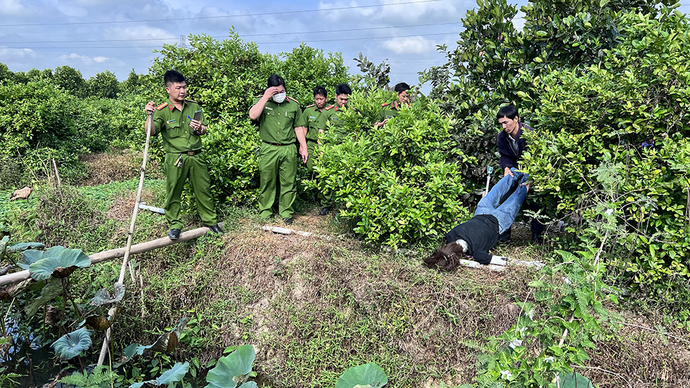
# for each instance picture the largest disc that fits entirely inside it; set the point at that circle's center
(96, 258)
(130, 234)
(57, 176)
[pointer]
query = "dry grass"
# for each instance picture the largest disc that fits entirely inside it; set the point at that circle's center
(116, 166)
(313, 307)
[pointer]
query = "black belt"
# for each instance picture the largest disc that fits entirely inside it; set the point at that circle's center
(277, 144)
(192, 153)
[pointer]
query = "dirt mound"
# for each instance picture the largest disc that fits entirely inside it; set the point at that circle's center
(116, 166)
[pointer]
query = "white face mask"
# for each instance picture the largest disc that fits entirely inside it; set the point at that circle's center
(280, 97)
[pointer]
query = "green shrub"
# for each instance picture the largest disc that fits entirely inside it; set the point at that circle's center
(614, 136)
(395, 183)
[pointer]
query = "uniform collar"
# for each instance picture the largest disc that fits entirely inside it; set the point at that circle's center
(172, 106)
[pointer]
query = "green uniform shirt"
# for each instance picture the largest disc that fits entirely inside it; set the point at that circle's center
(388, 111)
(277, 122)
(173, 125)
(332, 114)
(316, 120)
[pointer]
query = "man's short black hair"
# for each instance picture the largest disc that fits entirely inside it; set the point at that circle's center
(320, 90)
(401, 87)
(275, 80)
(509, 111)
(342, 89)
(172, 76)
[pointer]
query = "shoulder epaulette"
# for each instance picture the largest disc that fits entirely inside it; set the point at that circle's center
(385, 104)
(292, 99)
(161, 106)
(330, 107)
(310, 106)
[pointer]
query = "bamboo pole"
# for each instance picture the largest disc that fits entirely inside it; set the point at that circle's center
(96, 258)
(130, 234)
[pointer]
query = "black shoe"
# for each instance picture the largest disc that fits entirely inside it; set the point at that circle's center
(174, 234)
(215, 229)
(288, 220)
(324, 211)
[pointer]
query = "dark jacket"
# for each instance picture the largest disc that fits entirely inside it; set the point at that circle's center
(509, 155)
(480, 233)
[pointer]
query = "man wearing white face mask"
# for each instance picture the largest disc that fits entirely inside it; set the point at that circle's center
(280, 122)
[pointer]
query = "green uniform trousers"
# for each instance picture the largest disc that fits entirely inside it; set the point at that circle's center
(313, 149)
(194, 168)
(277, 162)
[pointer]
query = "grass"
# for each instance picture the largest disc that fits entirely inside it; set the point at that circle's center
(312, 307)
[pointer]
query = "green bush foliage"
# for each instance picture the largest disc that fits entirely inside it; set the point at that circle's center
(396, 183)
(614, 136)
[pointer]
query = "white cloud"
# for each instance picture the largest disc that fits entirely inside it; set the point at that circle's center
(11, 7)
(410, 45)
(72, 11)
(139, 32)
(218, 17)
(100, 59)
(15, 53)
(340, 14)
(74, 57)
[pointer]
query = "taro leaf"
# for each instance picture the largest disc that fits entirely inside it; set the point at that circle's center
(575, 380)
(70, 345)
(59, 262)
(173, 375)
(24, 246)
(168, 341)
(48, 293)
(104, 296)
(98, 322)
(232, 369)
(133, 349)
(29, 257)
(367, 375)
(249, 384)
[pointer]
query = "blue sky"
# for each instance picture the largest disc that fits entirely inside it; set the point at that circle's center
(97, 35)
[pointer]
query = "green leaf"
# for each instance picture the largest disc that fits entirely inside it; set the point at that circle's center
(58, 261)
(49, 292)
(29, 257)
(232, 369)
(575, 380)
(24, 246)
(70, 345)
(103, 296)
(367, 375)
(175, 374)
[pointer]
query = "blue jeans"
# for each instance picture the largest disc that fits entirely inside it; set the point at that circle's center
(504, 212)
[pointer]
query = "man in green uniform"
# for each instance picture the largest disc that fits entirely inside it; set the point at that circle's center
(180, 123)
(332, 112)
(316, 123)
(280, 122)
(388, 111)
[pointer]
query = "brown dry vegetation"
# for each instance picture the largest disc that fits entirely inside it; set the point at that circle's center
(314, 307)
(115, 166)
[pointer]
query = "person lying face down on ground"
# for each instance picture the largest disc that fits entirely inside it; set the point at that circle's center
(476, 236)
